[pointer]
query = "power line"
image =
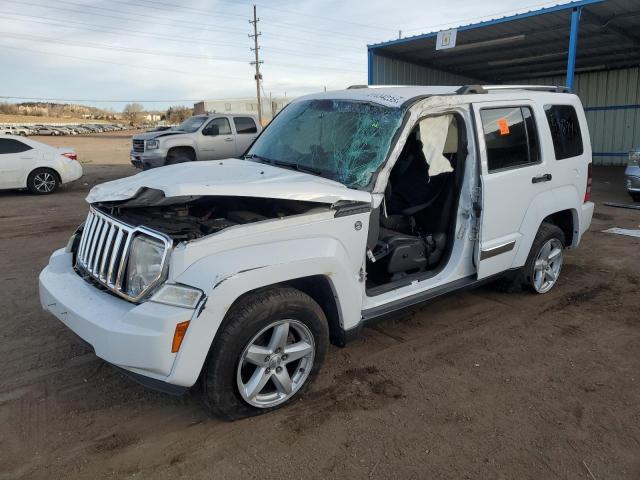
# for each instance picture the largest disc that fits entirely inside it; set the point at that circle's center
(204, 27)
(160, 53)
(99, 28)
(136, 16)
(144, 67)
(187, 40)
(483, 17)
(102, 46)
(47, 99)
(309, 15)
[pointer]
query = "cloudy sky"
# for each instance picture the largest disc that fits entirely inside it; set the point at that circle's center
(170, 52)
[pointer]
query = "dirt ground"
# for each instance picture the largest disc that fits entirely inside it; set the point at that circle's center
(477, 385)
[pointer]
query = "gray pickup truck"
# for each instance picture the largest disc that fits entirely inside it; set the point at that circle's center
(202, 137)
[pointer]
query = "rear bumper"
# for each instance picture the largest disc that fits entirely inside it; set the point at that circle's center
(586, 215)
(136, 338)
(73, 171)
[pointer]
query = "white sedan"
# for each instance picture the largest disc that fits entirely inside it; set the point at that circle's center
(25, 163)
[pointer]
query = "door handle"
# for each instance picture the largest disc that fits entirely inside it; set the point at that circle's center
(541, 178)
(228, 139)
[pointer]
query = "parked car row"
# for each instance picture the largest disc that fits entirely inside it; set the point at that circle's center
(54, 130)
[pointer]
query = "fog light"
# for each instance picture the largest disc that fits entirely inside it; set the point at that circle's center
(177, 295)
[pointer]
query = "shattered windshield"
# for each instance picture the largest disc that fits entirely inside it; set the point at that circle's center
(343, 140)
(191, 125)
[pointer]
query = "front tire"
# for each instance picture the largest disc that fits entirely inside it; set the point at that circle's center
(43, 181)
(635, 196)
(271, 346)
(180, 155)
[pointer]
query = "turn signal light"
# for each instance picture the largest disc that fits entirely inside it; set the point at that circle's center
(178, 336)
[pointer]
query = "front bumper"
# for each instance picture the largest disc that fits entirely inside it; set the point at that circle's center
(632, 179)
(147, 160)
(136, 338)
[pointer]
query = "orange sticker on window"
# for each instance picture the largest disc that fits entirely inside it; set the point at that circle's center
(504, 126)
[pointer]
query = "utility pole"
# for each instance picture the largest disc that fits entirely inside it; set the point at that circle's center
(257, 62)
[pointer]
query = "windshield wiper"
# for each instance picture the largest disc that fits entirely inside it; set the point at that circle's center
(280, 163)
(298, 167)
(252, 156)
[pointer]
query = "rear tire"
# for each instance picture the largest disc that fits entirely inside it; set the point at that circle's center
(43, 181)
(180, 155)
(245, 354)
(540, 273)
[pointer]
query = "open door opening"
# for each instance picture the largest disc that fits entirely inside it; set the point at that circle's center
(413, 231)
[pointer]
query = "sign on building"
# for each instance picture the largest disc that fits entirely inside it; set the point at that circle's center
(446, 39)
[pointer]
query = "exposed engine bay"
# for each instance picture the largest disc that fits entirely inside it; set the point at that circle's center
(194, 217)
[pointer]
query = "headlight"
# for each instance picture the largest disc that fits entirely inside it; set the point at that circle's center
(634, 158)
(145, 263)
(177, 295)
(152, 144)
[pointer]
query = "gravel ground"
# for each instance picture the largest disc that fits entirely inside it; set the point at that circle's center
(476, 385)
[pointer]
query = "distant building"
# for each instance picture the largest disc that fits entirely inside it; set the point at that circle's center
(270, 106)
(153, 117)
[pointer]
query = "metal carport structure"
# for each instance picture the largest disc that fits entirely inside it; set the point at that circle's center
(592, 46)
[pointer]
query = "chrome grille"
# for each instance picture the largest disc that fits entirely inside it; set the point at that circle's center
(104, 249)
(138, 146)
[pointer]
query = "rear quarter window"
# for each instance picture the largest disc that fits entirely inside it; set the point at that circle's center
(565, 131)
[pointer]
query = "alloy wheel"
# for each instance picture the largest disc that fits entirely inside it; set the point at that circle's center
(44, 182)
(275, 363)
(546, 268)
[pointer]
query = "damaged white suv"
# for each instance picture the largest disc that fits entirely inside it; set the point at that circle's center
(350, 206)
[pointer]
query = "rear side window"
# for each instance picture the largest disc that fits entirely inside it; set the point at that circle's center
(510, 136)
(565, 130)
(9, 145)
(245, 125)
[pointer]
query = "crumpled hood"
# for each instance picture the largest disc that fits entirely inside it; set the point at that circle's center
(230, 177)
(162, 133)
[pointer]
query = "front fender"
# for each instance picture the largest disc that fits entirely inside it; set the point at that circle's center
(171, 142)
(228, 275)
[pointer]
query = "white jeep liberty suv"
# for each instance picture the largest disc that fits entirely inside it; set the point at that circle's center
(350, 206)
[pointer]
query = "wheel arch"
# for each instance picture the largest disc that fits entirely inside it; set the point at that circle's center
(567, 221)
(187, 148)
(43, 167)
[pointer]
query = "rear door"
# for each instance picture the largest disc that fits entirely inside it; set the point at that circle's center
(246, 132)
(16, 160)
(514, 171)
(217, 140)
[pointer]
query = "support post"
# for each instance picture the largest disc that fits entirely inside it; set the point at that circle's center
(369, 66)
(257, 62)
(573, 46)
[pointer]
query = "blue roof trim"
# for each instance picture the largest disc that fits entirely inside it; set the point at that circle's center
(488, 23)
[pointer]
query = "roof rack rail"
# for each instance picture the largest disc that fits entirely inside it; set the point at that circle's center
(475, 89)
(471, 89)
(355, 87)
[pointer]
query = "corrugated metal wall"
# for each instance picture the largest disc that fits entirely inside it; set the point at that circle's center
(612, 103)
(611, 100)
(388, 71)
